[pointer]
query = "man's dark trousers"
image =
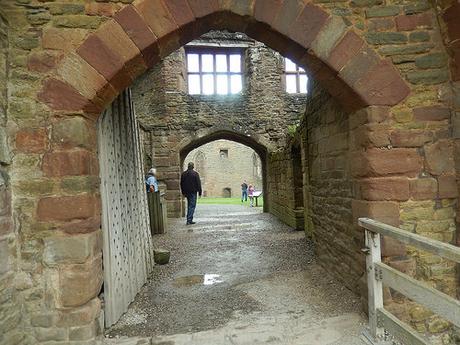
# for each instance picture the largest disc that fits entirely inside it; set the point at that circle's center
(191, 204)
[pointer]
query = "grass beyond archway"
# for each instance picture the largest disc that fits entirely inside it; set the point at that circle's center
(229, 201)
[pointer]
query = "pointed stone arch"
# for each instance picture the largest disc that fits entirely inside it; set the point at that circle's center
(141, 34)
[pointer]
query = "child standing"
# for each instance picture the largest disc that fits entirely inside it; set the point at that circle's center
(251, 195)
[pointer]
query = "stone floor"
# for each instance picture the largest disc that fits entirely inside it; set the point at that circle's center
(239, 276)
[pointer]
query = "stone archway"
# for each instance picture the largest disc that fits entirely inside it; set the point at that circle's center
(111, 57)
(258, 144)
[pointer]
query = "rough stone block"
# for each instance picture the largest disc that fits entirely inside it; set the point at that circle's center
(382, 85)
(81, 226)
(75, 71)
(307, 25)
(428, 77)
(386, 38)
(140, 33)
(59, 95)
(86, 332)
(66, 208)
(383, 211)
(105, 60)
(439, 158)
(118, 41)
(410, 138)
(391, 188)
(157, 17)
(266, 10)
(31, 140)
(327, 38)
(448, 187)
(75, 249)
(80, 316)
(62, 39)
(349, 46)
(382, 11)
(431, 113)
(69, 163)
(412, 22)
(75, 131)
(42, 61)
(424, 189)
(202, 8)
(50, 334)
(78, 284)
(433, 60)
(378, 162)
(101, 9)
(180, 11)
(4, 257)
(392, 247)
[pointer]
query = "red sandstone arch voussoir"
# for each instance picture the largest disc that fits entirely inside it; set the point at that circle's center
(140, 34)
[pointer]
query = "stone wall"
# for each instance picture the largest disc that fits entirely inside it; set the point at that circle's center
(219, 172)
(263, 111)
(10, 280)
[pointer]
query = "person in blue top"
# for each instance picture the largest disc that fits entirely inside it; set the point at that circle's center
(151, 181)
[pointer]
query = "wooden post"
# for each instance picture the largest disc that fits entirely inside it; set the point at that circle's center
(374, 284)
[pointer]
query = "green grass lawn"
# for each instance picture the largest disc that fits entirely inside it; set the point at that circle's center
(228, 201)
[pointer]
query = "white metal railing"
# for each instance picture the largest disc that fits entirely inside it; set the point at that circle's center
(379, 273)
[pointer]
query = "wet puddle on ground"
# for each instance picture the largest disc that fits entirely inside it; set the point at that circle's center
(198, 279)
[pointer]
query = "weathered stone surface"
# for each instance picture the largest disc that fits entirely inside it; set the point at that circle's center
(66, 208)
(345, 50)
(386, 11)
(448, 187)
(307, 25)
(385, 189)
(412, 22)
(430, 76)
(62, 39)
(377, 162)
(410, 138)
(75, 249)
(424, 188)
(78, 284)
(73, 132)
(439, 158)
(80, 316)
(434, 60)
(161, 256)
(31, 140)
(432, 113)
(383, 211)
(386, 38)
(64, 163)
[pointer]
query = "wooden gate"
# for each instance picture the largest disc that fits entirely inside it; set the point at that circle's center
(127, 249)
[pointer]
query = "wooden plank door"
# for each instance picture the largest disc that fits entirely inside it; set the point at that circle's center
(127, 243)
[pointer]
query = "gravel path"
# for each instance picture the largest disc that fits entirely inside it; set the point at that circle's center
(236, 267)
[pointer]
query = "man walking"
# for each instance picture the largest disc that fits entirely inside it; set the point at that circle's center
(190, 185)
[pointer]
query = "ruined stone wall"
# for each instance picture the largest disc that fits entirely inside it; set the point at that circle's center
(218, 172)
(163, 106)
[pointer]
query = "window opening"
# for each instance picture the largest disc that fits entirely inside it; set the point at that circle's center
(296, 77)
(223, 153)
(214, 71)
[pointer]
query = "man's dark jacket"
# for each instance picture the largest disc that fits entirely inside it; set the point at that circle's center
(190, 182)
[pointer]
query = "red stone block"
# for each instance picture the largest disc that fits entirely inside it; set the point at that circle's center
(202, 8)
(140, 33)
(381, 24)
(66, 208)
(61, 96)
(106, 61)
(439, 158)
(286, 17)
(348, 47)
(410, 138)
(31, 140)
(307, 25)
(114, 37)
(448, 187)
(69, 163)
(384, 211)
(157, 17)
(101, 9)
(382, 85)
(359, 66)
(414, 21)
(62, 39)
(81, 226)
(392, 247)
(424, 189)
(379, 162)
(432, 113)
(265, 10)
(391, 188)
(181, 11)
(42, 61)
